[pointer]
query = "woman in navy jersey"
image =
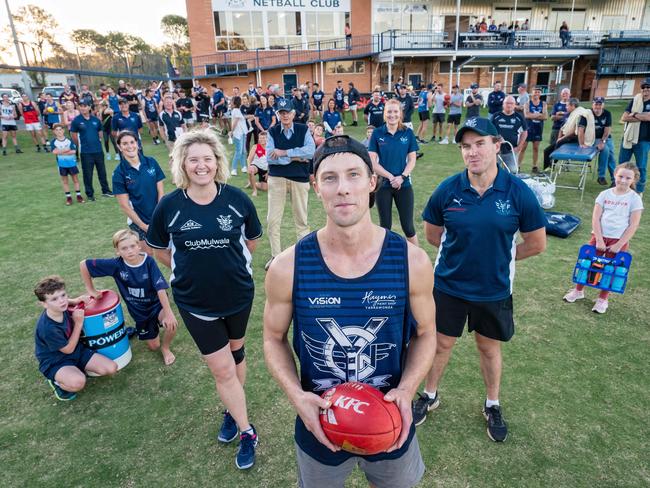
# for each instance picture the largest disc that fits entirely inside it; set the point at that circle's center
(264, 115)
(331, 118)
(393, 149)
(205, 231)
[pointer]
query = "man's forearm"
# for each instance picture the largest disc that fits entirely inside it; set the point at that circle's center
(418, 360)
(282, 367)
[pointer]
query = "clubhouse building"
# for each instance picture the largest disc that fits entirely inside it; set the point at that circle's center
(290, 42)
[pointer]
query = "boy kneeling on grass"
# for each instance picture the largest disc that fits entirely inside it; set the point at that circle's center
(62, 359)
(143, 289)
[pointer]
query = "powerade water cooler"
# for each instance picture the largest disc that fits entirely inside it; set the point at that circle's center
(104, 330)
(609, 274)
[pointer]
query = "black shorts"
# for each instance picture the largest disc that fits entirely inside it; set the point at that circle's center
(490, 319)
(318, 107)
(152, 117)
(261, 174)
(534, 134)
(9, 128)
(141, 233)
(78, 359)
(148, 329)
(423, 115)
(203, 117)
(438, 118)
(453, 119)
(68, 171)
(212, 335)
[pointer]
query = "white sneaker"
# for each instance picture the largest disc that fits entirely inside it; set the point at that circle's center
(600, 306)
(244, 170)
(444, 141)
(108, 157)
(233, 172)
(574, 295)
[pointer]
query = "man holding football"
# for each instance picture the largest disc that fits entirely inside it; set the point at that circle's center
(360, 298)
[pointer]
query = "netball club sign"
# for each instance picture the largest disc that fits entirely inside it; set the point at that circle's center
(281, 5)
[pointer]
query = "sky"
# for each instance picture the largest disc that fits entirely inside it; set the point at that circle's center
(137, 17)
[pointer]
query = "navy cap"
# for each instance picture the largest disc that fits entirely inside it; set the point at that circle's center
(283, 105)
(473, 85)
(343, 144)
(83, 102)
(645, 83)
(599, 100)
(480, 125)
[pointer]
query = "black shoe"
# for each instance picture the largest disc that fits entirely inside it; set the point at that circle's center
(497, 430)
(38, 148)
(423, 405)
(602, 181)
(108, 194)
(90, 198)
(19, 151)
(419, 155)
(354, 124)
(46, 149)
(422, 141)
(4, 152)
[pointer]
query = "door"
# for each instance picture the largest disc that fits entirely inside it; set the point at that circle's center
(290, 80)
(543, 78)
(415, 79)
(518, 77)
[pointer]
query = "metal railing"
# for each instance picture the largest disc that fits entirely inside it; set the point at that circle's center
(224, 63)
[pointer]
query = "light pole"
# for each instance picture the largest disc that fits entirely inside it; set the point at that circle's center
(27, 84)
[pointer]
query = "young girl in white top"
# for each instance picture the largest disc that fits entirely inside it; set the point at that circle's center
(616, 218)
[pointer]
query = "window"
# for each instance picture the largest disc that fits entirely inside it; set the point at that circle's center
(345, 67)
(284, 28)
(238, 30)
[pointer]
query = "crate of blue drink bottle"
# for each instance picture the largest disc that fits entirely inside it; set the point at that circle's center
(602, 272)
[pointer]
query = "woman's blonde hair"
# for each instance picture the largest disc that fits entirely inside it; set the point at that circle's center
(179, 153)
(393, 101)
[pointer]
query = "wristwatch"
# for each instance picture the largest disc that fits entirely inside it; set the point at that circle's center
(404, 176)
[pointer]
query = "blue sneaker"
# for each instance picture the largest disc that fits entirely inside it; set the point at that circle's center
(228, 431)
(246, 450)
(60, 393)
(130, 331)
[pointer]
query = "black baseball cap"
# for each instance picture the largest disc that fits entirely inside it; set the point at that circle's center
(122, 100)
(645, 83)
(599, 100)
(343, 144)
(480, 125)
(83, 102)
(283, 105)
(473, 85)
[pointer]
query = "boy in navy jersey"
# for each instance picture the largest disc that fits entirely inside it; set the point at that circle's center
(142, 287)
(65, 151)
(62, 359)
(350, 275)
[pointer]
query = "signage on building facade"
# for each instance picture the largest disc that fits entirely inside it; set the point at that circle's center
(281, 5)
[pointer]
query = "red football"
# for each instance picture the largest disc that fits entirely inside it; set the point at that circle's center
(359, 420)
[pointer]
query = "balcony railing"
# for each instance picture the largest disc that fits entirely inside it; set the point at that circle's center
(240, 62)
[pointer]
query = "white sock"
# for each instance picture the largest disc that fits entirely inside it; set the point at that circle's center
(249, 431)
(491, 403)
(430, 394)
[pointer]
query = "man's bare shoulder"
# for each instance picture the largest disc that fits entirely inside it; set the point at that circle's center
(419, 263)
(280, 273)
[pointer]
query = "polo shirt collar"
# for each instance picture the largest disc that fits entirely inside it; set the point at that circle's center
(126, 166)
(499, 183)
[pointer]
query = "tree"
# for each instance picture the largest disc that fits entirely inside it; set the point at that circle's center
(37, 26)
(87, 39)
(175, 27)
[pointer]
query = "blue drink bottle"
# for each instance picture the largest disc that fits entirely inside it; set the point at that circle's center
(619, 278)
(606, 280)
(582, 272)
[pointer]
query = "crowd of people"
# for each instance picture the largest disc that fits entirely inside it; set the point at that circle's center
(350, 272)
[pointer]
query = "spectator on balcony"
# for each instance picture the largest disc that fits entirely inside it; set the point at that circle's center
(483, 27)
(348, 37)
(565, 34)
(353, 98)
(493, 27)
(495, 100)
(636, 135)
(473, 102)
(525, 26)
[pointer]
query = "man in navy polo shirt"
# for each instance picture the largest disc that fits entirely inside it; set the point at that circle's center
(495, 100)
(473, 219)
(289, 150)
(375, 110)
(126, 120)
(86, 130)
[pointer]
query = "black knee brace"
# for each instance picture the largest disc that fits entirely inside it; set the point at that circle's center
(239, 355)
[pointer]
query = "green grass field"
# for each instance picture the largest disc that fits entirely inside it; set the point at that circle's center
(574, 391)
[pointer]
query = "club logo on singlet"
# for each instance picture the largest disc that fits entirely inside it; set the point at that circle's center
(124, 275)
(349, 353)
(225, 222)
